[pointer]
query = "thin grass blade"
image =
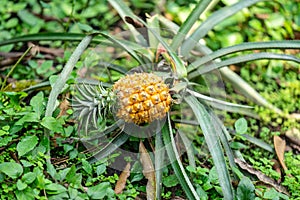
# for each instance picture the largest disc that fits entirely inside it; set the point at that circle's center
(209, 128)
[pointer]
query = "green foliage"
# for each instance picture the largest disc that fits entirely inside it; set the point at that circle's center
(24, 170)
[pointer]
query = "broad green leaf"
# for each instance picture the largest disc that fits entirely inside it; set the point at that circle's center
(11, 169)
(27, 194)
(241, 125)
(87, 167)
(211, 130)
(29, 18)
(52, 124)
(246, 189)
(99, 191)
(29, 117)
(29, 177)
(27, 144)
(170, 181)
(176, 163)
(51, 170)
(37, 103)
(21, 185)
(55, 188)
(100, 169)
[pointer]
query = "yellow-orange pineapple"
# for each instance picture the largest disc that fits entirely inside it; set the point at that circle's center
(142, 98)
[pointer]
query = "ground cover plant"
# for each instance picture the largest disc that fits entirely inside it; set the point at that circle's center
(186, 100)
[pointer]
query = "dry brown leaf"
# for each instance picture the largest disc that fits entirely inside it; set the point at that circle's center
(262, 177)
(64, 106)
(148, 171)
(279, 145)
(121, 183)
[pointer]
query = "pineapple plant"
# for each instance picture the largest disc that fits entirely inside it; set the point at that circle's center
(145, 97)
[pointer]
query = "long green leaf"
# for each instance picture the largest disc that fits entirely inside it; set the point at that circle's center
(223, 105)
(51, 37)
(189, 149)
(237, 82)
(209, 128)
(126, 45)
(124, 11)
(188, 23)
(224, 138)
(61, 81)
(245, 89)
(213, 20)
(178, 168)
(159, 161)
(286, 44)
(241, 59)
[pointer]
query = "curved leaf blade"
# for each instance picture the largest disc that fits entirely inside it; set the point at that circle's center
(189, 22)
(176, 163)
(213, 20)
(213, 142)
(241, 59)
(287, 44)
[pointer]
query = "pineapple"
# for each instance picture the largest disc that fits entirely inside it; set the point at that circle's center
(137, 98)
(142, 98)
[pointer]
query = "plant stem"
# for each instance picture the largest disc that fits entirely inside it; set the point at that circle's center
(13, 68)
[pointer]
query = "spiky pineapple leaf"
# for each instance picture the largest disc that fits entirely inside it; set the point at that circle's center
(223, 105)
(286, 44)
(241, 59)
(51, 37)
(174, 157)
(237, 82)
(188, 23)
(211, 21)
(124, 10)
(159, 161)
(211, 133)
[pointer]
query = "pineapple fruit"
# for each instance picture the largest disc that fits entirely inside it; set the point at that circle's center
(141, 98)
(138, 98)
